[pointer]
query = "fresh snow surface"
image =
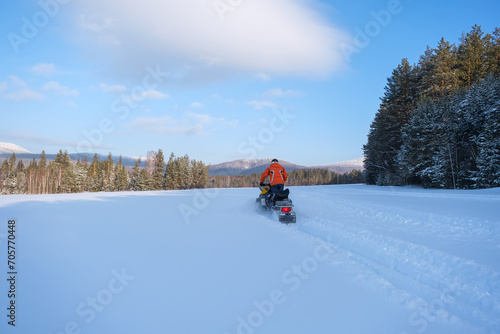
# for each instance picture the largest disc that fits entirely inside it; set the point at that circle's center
(361, 259)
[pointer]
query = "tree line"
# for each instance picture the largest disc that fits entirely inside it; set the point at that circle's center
(298, 177)
(438, 124)
(64, 176)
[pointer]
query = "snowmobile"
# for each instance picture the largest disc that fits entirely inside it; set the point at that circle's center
(277, 203)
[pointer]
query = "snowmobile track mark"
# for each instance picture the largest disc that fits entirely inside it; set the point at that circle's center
(412, 272)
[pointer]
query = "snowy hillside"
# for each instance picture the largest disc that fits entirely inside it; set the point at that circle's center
(244, 163)
(9, 148)
(248, 166)
(344, 165)
(361, 259)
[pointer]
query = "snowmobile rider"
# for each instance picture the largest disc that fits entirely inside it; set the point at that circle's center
(277, 175)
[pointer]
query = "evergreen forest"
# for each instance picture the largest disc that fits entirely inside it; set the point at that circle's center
(62, 175)
(65, 176)
(438, 124)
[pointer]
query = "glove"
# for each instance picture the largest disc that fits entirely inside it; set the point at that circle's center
(262, 184)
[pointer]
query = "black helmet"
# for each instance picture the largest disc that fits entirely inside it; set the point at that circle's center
(274, 160)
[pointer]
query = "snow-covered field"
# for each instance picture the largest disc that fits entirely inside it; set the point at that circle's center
(360, 259)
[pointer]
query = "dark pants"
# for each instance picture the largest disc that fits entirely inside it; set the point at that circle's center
(277, 188)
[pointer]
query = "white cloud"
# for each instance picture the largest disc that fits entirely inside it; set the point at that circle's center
(259, 36)
(261, 104)
(233, 123)
(278, 92)
(189, 124)
(154, 95)
(70, 104)
(25, 94)
(205, 119)
(44, 69)
(218, 97)
(109, 41)
(41, 140)
(112, 88)
(102, 27)
(137, 95)
(95, 23)
(165, 126)
(17, 89)
(17, 82)
(57, 88)
(263, 76)
(197, 105)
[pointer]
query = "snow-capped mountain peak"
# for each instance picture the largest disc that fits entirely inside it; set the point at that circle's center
(245, 163)
(6, 148)
(357, 163)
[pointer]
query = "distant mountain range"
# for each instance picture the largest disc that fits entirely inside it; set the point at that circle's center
(344, 166)
(247, 167)
(6, 150)
(236, 167)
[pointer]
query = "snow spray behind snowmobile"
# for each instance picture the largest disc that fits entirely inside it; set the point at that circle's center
(277, 203)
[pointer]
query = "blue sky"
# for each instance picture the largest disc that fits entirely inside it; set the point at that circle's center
(218, 80)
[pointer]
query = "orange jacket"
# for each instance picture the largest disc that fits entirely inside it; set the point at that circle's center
(277, 174)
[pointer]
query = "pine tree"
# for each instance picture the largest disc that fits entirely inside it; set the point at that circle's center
(472, 57)
(184, 172)
(12, 162)
(438, 70)
(158, 171)
(144, 181)
(471, 112)
(123, 179)
(446, 160)
(135, 173)
(488, 160)
(108, 183)
(420, 144)
(66, 172)
(199, 174)
(116, 172)
(31, 173)
(68, 184)
(171, 181)
(79, 177)
(20, 166)
(384, 138)
(218, 181)
(10, 183)
(94, 175)
(43, 174)
(4, 172)
(494, 53)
